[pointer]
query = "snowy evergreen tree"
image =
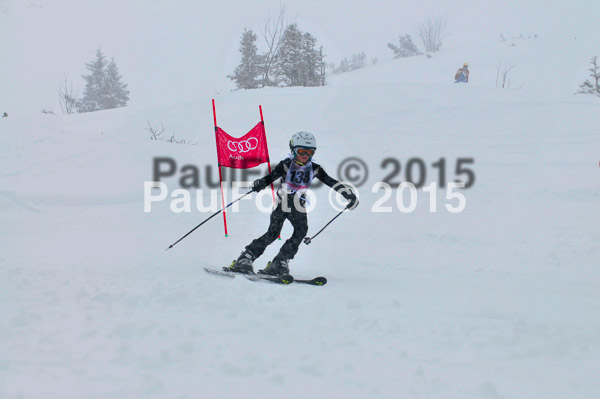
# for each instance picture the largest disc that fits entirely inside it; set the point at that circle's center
(344, 66)
(406, 49)
(322, 77)
(358, 61)
(94, 84)
(289, 59)
(299, 63)
(116, 93)
(310, 65)
(104, 88)
(248, 72)
(592, 86)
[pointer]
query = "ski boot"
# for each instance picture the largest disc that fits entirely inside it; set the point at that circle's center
(276, 268)
(243, 264)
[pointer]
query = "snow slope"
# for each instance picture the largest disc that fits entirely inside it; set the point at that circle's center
(498, 301)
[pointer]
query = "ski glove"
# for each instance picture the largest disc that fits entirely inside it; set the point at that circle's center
(352, 200)
(258, 185)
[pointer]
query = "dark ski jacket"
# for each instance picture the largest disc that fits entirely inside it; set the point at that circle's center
(281, 170)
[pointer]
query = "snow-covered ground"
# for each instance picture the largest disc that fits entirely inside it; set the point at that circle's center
(498, 301)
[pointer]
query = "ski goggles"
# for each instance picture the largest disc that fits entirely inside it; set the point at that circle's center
(304, 151)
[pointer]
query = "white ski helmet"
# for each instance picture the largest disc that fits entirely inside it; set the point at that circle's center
(303, 140)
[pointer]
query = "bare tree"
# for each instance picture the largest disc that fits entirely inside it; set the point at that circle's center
(502, 73)
(154, 132)
(177, 141)
(431, 32)
(67, 97)
(272, 32)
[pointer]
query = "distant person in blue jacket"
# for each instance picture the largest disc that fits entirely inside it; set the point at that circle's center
(462, 75)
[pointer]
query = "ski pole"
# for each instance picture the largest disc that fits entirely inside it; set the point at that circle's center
(210, 217)
(308, 240)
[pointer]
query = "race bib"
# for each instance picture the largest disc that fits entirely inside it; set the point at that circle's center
(298, 177)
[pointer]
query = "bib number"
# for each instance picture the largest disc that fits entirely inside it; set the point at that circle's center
(300, 176)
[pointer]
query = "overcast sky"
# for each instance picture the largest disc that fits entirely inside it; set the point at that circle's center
(181, 50)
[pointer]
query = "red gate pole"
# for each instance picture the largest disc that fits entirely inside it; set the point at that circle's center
(268, 157)
(219, 165)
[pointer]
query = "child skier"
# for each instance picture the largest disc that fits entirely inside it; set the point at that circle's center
(462, 75)
(296, 173)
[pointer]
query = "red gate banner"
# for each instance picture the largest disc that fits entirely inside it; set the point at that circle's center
(248, 151)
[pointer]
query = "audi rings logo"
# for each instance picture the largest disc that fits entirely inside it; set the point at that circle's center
(243, 146)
